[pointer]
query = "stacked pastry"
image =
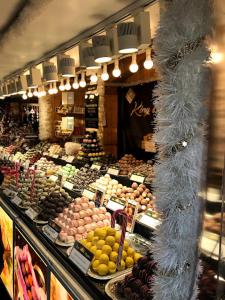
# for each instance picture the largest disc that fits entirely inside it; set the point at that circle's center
(80, 218)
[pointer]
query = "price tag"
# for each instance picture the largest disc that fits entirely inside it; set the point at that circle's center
(17, 200)
(116, 203)
(64, 157)
(51, 230)
(9, 193)
(149, 221)
(55, 156)
(31, 213)
(81, 257)
(137, 178)
(89, 193)
(96, 166)
(53, 178)
(68, 185)
(113, 171)
(45, 153)
(70, 159)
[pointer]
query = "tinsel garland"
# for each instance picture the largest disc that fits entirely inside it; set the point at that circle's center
(181, 57)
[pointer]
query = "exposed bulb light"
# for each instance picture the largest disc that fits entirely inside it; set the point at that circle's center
(67, 85)
(30, 94)
(148, 63)
(94, 78)
(54, 89)
(82, 82)
(24, 96)
(105, 75)
(50, 91)
(134, 67)
(75, 83)
(35, 93)
(62, 86)
(116, 71)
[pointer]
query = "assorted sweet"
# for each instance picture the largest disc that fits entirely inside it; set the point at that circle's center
(84, 177)
(146, 170)
(46, 166)
(10, 149)
(79, 218)
(91, 150)
(53, 204)
(55, 150)
(137, 285)
(104, 243)
(67, 171)
(127, 163)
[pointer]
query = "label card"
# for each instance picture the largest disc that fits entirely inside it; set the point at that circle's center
(113, 171)
(70, 158)
(9, 193)
(148, 220)
(45, 153)
(96, 166)
(53, 178)
(131, 210)
(81, 257)
(51, 230)
(89, 193)
(116, 203)
(16, 200)
(137, 178)
(31, 213)
(68, 185)
(55, 155)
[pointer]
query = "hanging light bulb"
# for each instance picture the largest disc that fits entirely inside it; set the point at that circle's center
(148, 63)
(75, 83)
(30, 94)
(67, 85)
(82, 82)
(54, 89)
(24, 96)
(35, 93)
(94, 78)
(134, 67)
(105, 75)
(50, 90)
(116, 71)
(43, 93)
(62, 86)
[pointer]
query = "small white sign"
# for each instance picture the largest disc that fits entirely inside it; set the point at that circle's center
(137, 178)
(16, 200)
(115, 204)
(68, 185)
(50, 232)
(149, 221)
(89, 193)
(45, 153)
(96, 166)
(53, 178)
(81, 257)
(55, 155)
(9, 193)
(70, 158)
(113, 171)
(31, 213)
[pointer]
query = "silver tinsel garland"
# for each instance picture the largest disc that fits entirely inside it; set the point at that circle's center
(181, 57)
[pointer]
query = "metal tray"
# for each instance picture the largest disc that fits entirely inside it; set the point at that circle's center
(108, 277)
(110, 287)
(62, 244)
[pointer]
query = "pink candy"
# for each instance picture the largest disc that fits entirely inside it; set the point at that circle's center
(81, 229)
(89, 212)
(75, 223)
(76, 216)
(81, 222)
(91, 204)
(77, 208)
(87, 220)
(83, 214)
(95, 218)
(100, 224)
(108, 216)
(78, 237)
(84, 205)
(101, 217)
(88, 227)
(102, 210)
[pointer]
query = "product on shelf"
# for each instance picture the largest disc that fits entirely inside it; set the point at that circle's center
(46, 166)
(19, 157)
(127, 162)
(72, 148)
(104, 243)
(55, 150)
(53, 204)
(67, 171)
(80, 218)
(138, 192)
(32, 155)
(144, 169)
(107, 160)
(91, 150)
(84, 177)
(10, 149)
(137, 285)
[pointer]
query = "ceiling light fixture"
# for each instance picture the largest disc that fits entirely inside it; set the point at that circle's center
(116, 71)
(82, 82)
(35, 93)
(134, 67)
(30, 94)
(67, 85)
(87, 58)
(49, 72)
(127, 37)
(67, 66)
(62, 86)
(75, 83)
(105, 75)
(148, 63)
(94, 78)
(101, 48)
(54, 89)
